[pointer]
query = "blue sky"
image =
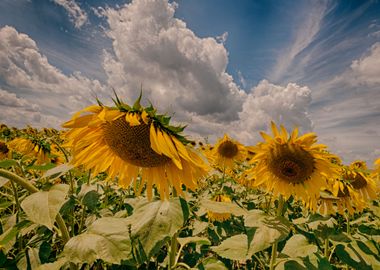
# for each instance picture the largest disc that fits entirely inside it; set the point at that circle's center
(219, 66)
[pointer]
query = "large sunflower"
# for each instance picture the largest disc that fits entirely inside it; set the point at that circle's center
(136, 145)
(226, 152)
(291, 165)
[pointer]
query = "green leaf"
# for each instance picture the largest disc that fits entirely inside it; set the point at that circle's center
(266, 235)
(291, 264)
(351, 257)
(44, 167)
(194, 239)
(106, 239)
(58, 171)
(44, 252)
(212, 263)
(42, 207)
(7, 163)
(255, 218)
(222, 207)
(298, 246)
(153, 222)
(233, 248)
(89, 196)
(269, 229)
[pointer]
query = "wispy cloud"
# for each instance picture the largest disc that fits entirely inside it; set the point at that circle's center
(77, 15)
(305, 33)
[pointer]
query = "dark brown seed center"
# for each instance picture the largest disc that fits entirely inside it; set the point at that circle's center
(292, 164)
(228, 149)
(132, 143)
(3, 148)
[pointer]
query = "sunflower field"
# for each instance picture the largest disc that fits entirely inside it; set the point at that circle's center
(120, 187)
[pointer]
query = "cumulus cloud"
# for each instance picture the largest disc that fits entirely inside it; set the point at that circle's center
(186, 74)
(176, 68)
(347, 108)
(23, 69)
(77, 15)
(267, 102)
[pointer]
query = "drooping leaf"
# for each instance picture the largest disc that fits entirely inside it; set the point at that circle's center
(58, 171)
(42, 207)
(222, 207)
(7, 163)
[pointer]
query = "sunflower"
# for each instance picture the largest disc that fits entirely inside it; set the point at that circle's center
(225, 153)
(342, 197)
(31, 147)
(361, 180)
(219, 216)
(292, 165)
(4, 151)
(136, 145)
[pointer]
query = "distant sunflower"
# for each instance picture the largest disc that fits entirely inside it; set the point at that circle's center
(4, 151)
(361, 180)
(32, 148)
(226, 152)
(342, 198)
(212, 216)
(132, 144)
(292, 165)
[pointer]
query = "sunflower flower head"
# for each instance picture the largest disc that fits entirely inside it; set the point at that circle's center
(361, 180)
(32, 147)
(135, 145)
(225, 153)
(212, 216)
(4, 151)
(292, 165)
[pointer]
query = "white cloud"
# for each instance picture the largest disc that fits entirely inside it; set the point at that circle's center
(176, 68)
(11, 100)
(267, 102)
(186, 74)
(23, 69)
(349, 108)
(77, 15)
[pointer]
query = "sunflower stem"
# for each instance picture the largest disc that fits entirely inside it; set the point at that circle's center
(273, 257)
(326, 251)
(173, 251)
(32, 189)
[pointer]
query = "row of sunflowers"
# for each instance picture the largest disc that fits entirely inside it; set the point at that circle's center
(121, 186)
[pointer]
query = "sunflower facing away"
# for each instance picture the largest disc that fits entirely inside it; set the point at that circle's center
(212, 216)
(225, 153)
(291, 165)
(33, 148)
(136, 145)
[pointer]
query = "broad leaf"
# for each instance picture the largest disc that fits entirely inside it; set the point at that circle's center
(106, 239)
(213, 264)
(298, 246)
(153, 222)
(233, 248)
(42, 207)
